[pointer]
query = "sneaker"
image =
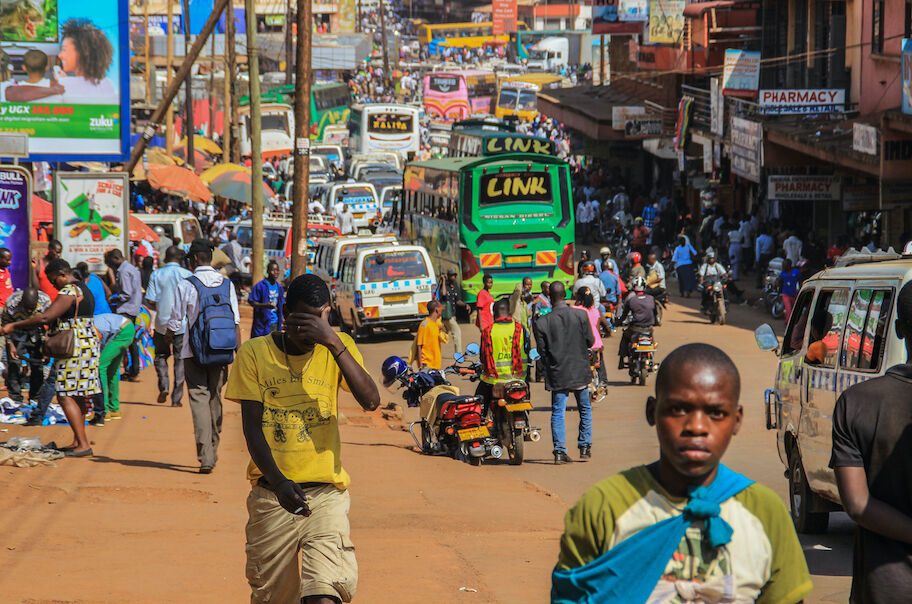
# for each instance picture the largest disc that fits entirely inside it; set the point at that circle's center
(205, 470)
(561, 457)
(34, 420)
(585, 452)
(98, 420)
(112, 415)
(162, 396)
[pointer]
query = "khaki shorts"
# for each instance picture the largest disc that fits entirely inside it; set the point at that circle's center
(274, 538)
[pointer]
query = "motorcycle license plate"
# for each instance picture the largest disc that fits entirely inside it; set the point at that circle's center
(519, 407)
(359, 215)
(472, 433)
(645, 348)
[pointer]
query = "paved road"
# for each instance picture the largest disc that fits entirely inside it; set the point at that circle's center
(137, 524)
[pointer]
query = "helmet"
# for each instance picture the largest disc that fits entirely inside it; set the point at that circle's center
(638, 284)
(605, 251)
(638, 220)
(588, 267)
(636, 257)
(392, 368)
(609, 265)
(710, 253)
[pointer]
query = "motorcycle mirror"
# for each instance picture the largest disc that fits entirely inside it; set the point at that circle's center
(766, 338)
(533, 354)
(472, 350)
(459, 357)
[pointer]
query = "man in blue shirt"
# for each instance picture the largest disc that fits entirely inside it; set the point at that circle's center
(610, 280)
(764, 248)
(160, 296)
(267, 298)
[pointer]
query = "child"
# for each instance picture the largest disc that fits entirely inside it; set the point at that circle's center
(37, 86)
(789, 284)
(684, 525)
(267, 298)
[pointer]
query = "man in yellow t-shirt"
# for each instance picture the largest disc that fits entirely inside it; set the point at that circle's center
(287, 384)
(429, 338)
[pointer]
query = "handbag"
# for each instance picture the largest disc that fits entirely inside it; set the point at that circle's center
(61, 343)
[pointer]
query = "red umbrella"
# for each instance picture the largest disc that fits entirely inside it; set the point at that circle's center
(42, 211)
(139, 230)
(178, 181)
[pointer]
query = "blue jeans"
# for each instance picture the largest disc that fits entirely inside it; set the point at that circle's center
(559, 406)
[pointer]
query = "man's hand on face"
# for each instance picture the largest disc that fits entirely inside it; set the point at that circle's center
(291, 497)
(307, 328)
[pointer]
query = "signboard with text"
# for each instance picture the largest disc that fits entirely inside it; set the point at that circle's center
(606, 19)
(503, 14)
(906, 66)
(75, 101)
(15, 220)
(621, 113)
(746, 143)
(91, 215)
(741, 73)
(666, 21)
(643, 127)
(633, 10)
(804, 188)
(864, 138)
(791, 101)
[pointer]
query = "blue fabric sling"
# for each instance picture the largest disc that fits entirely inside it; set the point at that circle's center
(629, 572)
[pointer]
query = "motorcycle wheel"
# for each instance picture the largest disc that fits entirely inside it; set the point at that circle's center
(777, 309)
(516, 449)
(474, 461)
(425, 438)
(641, 372)
(721, 311)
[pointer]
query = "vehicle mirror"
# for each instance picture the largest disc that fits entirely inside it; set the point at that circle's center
(472, 350)
(459, 357)
(379, 259)
(766, 337)
(533, 354)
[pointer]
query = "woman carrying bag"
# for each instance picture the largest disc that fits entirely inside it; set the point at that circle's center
(74, 346)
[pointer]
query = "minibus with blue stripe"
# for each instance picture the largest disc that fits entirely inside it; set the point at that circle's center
(361, 197)
(385, 287)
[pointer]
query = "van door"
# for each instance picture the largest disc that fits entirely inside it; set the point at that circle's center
(344, 290)
(791, 367)
(827, 325)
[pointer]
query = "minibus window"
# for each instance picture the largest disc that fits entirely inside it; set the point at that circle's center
(866, 345)
(835, 302)
(794, 335)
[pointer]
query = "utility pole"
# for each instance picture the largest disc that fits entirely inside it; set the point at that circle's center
(188, 100)
(386, 60)
(602, 60)
(256, 154)
(148, 66)
(171, 90)
(301, 176)
(231, 73)
(289, 45)
(169, 120)
(212, 99)
(226, 108)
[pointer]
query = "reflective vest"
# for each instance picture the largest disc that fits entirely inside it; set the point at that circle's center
(505, 357)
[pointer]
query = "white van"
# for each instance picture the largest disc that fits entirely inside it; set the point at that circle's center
(185, 226)
(275, 233)
(363, 199)
(386, 287)
(330, 250)
(850, 309)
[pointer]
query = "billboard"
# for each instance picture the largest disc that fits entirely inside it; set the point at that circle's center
(666, 21)
(15, 220)
(907, 75)
(503, 14)
(91, 215)
(792, 101)
(606, 19)
(69, 88)
(741, 73)
(633, 10)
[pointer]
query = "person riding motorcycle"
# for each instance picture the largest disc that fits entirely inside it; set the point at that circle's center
(604, 257)
(504, 352)
(710, 272)
(636, 268)
(589, 278)
(643, 312)
(614, 287)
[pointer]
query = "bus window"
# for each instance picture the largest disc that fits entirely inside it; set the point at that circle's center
(394, 265)
(274, 121)
(507, 98)
(527, 100)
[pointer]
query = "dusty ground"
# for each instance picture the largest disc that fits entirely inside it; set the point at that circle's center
(138, 524)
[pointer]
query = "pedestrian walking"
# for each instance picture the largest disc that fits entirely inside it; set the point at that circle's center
(683, 258)
(789, 284)
(764, 248)
(450, 294)
(429, 337)
(299, 501)
(209, 303)
(115, 334)
(128, 295)
(563, 338)
(793, 246)
(160, 297)
(586, 303)
(267, 298)
(484, 303)
(77, 369)
(684, 524)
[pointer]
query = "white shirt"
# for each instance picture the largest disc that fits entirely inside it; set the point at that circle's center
(187, 304)
(346, 224)
(792, 247)
(582, 212)
(594, 284)
(594, 209)
(316, 207)
(735, 237)
(712, 270)
(659, 270)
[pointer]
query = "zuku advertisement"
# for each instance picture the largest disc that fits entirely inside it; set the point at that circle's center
(64, 77)
(91, 216)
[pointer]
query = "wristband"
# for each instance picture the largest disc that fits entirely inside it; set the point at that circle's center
(339, 354)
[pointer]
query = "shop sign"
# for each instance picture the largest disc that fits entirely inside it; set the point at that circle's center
(620, 114)
(717, 107)
(741, 73)
(633, 10)
(746, 142)
(857, 198)
(666, 21)
(645, 127)
(606, 19)
(907, 76)
(503, 15)
(275, 20)
(864, 138)
(804, 188)
(795, 101)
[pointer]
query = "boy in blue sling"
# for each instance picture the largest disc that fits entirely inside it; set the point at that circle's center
(684, 528)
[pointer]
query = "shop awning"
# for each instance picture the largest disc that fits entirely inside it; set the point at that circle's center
(587, 109)
(696, 10)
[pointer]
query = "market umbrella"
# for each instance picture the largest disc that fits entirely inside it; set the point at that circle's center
(217, 170)
(238, 186)
(42, 211)
(139, 230)
(160, 155)
(201, 159)
(178, 181)
(202, 143)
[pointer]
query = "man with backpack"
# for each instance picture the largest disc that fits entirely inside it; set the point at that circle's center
(209, 303)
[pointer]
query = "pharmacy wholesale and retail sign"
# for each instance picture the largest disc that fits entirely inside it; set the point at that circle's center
(800, 101)
(907, 76)
(606, 19)
(15, 220)
(70, 88)
(92, 215)
(504, 15)
(741, 73)
(666, 22)
(804, 188)
(746, 148)
(865, 138)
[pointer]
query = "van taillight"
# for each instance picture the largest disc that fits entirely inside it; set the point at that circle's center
(469, 265)
(566, 260)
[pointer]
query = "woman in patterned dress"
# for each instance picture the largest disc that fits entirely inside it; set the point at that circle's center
(77, 377)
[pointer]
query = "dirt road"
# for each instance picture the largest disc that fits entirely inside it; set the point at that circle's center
(138, 524)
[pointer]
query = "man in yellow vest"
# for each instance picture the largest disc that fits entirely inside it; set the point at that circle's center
(504, 351)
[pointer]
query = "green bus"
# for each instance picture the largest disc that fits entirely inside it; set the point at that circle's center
(474, 141)
(329, 104)
(509, 215)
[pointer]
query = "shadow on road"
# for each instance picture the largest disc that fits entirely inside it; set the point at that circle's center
(167, 404)
(144, 463)
(830, 554)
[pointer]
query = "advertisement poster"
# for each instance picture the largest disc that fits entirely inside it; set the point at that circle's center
(633, 10)
(666, 21)
(69, 86)
(606, 19)
(746, 143)
(15, 220)
(347, 13)
(907, 76)
(91, 216)
(741, 73)
(503, 14)
(717, 107)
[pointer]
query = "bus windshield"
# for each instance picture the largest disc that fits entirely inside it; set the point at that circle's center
(389, 266)
(389, 123)
(355, 195)
(273, 237)
(274, 121)
(507, 98)
(527, 100)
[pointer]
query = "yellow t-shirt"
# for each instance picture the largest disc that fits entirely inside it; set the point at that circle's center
(300, 414)
(429, 340)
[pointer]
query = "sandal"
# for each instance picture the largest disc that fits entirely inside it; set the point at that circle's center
(72, 453)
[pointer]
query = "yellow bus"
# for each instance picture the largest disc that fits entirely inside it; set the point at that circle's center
(461, 35)
(516, 95)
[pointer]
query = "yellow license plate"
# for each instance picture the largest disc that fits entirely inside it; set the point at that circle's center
(359, 215)
(471, 433)
(519, 259)
(404, 298)
(645, 348)
(519, 407)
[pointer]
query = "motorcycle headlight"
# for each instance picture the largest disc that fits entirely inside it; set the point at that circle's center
(717, 286)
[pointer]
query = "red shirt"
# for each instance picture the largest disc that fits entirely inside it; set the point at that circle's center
(43, 283)
(485, 314)
(6, 285)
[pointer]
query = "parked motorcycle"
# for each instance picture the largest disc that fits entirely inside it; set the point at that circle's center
(641, 356)
(772, 296)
